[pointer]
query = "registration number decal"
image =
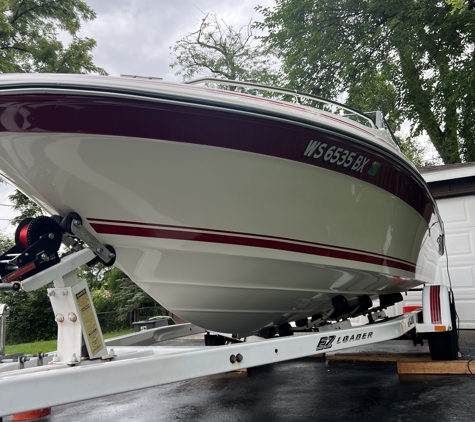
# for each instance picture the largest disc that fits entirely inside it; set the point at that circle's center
(338, 156)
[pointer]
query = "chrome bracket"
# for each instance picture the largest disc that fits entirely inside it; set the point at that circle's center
(78, 230)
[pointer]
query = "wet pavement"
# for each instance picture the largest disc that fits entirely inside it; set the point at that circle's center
(310, 389)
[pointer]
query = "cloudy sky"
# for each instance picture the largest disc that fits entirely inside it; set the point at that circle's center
(135, 36)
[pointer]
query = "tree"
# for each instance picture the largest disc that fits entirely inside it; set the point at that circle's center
(217, 49)
(461, 5)
(31, 317)
(29, 31)
(29, 41)
(116, 297)
(6, 243)
(113, 290)
(24, 206)
(418, 55)
(417, 151)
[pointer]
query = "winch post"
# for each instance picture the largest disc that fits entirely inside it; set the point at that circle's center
(4, 313)
(77, 321)
(75, 315)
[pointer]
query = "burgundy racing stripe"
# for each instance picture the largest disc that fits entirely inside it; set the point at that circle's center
(435, 311)
(304, 142)
(248, 241)
(251, 235)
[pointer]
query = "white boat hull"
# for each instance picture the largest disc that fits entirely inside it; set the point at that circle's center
(230, 238)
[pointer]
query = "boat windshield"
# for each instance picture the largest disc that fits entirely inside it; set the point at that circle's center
(373, 119)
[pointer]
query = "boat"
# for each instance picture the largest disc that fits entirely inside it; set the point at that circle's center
(234, 211)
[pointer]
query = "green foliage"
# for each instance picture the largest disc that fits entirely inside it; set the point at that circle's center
(412, 59)
(417, 152)
(6, 243)
(24, 206)
(29, 41)
(127, 296)
(131, 296)
(29, 31)
(95, 276)
(459, 6)
(116, 297)
(112, 290)
(31, 316)
(217, 49)
(376, 93)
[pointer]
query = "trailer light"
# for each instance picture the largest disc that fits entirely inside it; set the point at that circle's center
(440, 328)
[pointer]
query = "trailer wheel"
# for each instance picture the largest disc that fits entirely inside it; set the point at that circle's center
(444, 346)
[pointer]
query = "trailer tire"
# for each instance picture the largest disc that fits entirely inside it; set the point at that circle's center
(444, 346)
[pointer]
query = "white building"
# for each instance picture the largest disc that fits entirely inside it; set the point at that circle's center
(453, 187)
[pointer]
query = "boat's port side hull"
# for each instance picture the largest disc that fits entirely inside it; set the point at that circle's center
(229, 292)
(231, 222)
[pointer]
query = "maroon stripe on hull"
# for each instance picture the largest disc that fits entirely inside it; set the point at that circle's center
(250, 242)
(313, 146)
(249, 235)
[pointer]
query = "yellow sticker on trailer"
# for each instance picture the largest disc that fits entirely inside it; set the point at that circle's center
(92, 334)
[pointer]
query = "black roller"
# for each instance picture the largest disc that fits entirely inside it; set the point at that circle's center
(301, 322)
(57, 219)
(390, 299)
(285, 330)
(98, 259)
(341, 305)
(267, 332)
(68, 220)
(316, 317)
(365, 302)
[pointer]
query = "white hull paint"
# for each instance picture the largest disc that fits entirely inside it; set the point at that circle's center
(229, 240)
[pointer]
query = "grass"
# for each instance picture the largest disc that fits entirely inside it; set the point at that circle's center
(50, 345)
(31, 348)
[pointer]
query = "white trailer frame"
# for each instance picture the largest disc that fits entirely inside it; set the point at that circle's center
(129, 363)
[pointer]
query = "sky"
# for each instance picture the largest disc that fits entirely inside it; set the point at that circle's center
(135, 36)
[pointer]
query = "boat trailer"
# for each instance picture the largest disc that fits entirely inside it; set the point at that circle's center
(86, 366)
